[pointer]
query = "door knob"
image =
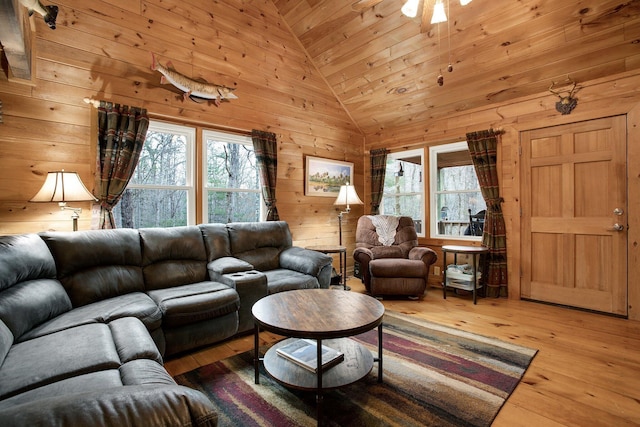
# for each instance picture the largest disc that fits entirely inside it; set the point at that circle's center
(618, 211)
(617, 227)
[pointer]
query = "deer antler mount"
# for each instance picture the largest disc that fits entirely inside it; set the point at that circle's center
(567, 102)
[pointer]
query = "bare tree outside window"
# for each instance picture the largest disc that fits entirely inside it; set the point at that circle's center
(455, 190)
(233, 183)
(162, 192)
(158, 193)
(403, 193)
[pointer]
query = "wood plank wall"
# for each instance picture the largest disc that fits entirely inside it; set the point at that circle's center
(614, 95)
(102, 50)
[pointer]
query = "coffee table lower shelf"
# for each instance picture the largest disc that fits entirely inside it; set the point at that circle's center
(358, 362)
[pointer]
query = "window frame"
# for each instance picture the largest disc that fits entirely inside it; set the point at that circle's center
(190, 136)
(433, 189)
(232, 138)
(396, 157)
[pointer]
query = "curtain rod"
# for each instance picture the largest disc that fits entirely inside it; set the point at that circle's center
(229, 129)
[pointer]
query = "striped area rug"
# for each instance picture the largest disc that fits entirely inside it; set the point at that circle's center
(433, 376)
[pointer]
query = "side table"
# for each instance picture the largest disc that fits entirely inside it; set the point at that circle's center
(467, 250)
(342, 252)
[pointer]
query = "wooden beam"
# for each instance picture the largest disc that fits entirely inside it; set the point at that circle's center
(15, 36)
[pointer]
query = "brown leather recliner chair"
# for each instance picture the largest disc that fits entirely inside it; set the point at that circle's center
(390, 259)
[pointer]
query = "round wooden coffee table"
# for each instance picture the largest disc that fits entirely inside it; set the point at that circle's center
(327, 316)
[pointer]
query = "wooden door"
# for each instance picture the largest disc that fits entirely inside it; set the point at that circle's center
(574, 191)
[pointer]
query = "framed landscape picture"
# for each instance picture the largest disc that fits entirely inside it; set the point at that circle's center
(323, 177)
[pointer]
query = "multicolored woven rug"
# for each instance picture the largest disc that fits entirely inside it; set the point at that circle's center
(433, 376)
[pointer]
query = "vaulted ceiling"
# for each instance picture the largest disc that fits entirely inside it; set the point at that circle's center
(383, 66)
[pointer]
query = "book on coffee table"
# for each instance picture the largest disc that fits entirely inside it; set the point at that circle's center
(305, 354)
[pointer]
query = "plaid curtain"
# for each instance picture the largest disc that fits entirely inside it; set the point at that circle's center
(483, 148)
(266, 149)
(121, 134)
(378, 168)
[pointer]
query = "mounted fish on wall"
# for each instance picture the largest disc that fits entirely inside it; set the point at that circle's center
(49, 13)
(195, 90)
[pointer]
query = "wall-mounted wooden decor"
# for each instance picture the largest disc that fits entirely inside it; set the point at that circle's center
(197, 91)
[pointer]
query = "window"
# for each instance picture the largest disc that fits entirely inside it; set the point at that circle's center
(403, 192)
(161, 192)
(231, 182)
(455, 191)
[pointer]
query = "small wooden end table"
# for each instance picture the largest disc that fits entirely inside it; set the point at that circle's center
(467, 250)
(325, 316)
(335, 249)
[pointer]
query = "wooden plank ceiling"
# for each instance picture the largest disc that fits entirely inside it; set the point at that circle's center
(384, 69)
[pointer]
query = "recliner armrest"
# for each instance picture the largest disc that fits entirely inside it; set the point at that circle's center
(424, 254)
(304, 260)
(362, 255)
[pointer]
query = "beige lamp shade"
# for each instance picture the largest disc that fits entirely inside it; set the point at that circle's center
(348, 196)
(61, 186)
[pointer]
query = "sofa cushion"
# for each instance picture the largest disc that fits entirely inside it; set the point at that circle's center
(94, 265)
(51, 358)
(29, 292)
(259, 243)
(173, 257)
(280, 280)
(140, 406)
(136, 304)
(93, 381)
(183, 305)
(75, 351)
(405, 237)
(135, 372)
(24, 257)
(28, 304)
(216, 240)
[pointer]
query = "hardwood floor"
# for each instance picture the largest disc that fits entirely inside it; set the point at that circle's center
(586, 372)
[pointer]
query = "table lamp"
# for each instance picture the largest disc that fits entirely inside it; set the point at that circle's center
(346, 196)
(63, 187)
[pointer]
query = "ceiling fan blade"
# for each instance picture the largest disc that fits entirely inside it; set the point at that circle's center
(362, 5)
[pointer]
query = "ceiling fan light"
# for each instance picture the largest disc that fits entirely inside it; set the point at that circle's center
(465, 2)
(438, 13)
(410, 8)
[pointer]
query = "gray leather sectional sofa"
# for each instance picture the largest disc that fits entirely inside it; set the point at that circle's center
(87, 317)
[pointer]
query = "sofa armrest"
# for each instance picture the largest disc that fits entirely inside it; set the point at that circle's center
(304, 260)
(147, 405)
(426, 255)
(227, 265)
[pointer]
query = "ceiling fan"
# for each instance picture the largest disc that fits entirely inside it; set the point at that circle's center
(410, 9)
